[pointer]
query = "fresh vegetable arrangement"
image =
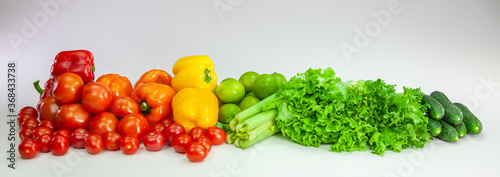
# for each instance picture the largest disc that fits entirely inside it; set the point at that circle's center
(191, 113)
(74, 110)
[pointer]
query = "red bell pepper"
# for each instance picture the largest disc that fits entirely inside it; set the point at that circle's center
(80, 62)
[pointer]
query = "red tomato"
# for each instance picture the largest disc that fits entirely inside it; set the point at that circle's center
(112, 141)
(48, 108)
(173, 130)
(153, 141)
(72, 116)
(77, 138)
(129, 144)
(28, 110)
(59, 145)
(205, 142)
(133, 125)
(158, 127)
(39, 131)
(97, 97)
(124, 106)
(67, 88)
(216, 135)
(30, 123)
(196, 132)
(44, 142)
(181, 142)
(62, 132)
(196, 152)
(48, 123)
(26, 133)
(28, 148)
(93, 143)
(103, 123)
(23, 117)
(167, 121)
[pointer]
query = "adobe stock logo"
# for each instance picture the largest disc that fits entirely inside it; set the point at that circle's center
(39, 19)
(363, 37)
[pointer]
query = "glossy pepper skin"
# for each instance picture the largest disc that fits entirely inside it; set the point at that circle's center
(120, 85)
(195, 72)
(195, 107)
(80, 62)
(155, 101)
(154, 76)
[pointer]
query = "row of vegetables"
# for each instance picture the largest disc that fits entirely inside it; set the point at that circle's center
(190, 112)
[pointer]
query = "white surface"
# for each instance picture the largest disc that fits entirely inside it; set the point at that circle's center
(452, 46)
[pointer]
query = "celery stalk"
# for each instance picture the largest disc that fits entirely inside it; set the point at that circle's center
(250, 112)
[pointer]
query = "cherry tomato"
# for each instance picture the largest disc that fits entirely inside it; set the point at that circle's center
(48, 108)
(129, 144)
(62, 132)
(205, 142)
(216, 135)
(72, 116)
(173, 130)
(28, 110)
(158, 127)
(133, 125)
(167, 121)
(153, 141)
(97, 97)
(28, 148)
(48, 123)
(26, 133)
(30, 123)
(123, 106)
(22, 117)
(196, 132)
(67, 88)
(44, 142)
(93, 143)
(112, 141)
(59, 145)
(120, 85)
(196, 152)
(103, 123)
(39, 131)
(181, 142)
(77, 138)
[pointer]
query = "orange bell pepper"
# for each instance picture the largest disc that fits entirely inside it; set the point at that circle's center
(154, 76)
(120, 85)
(155, 101)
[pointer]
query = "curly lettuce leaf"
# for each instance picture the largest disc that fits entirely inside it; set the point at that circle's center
(315, 107)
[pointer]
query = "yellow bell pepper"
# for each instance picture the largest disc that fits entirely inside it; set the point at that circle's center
(194, 71)
(195, 107)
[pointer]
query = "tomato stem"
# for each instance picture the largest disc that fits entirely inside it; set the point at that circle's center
(145, 108)
(37, 87)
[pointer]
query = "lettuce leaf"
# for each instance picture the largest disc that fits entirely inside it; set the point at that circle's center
(315, 107)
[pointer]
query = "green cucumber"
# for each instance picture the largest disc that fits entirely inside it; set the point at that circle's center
(434, 127)
(448, 132)
(473, 124)
(452, 114)
(436, 110)
(461, 129)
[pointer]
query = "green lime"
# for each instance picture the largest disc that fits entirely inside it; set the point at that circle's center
(227, 112)
(250, 94)
(230, 91)
(247, 80)
(248, 102)
(227, 79)
(280, 79)
(264, 86)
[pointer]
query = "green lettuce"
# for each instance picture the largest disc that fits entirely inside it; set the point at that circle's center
(316, 107)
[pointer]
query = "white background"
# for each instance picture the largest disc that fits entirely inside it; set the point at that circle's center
(452, 46)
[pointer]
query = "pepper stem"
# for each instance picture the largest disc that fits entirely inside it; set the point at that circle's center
(37, 87)
(145, 108)
(93, 68)
(208, 77)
